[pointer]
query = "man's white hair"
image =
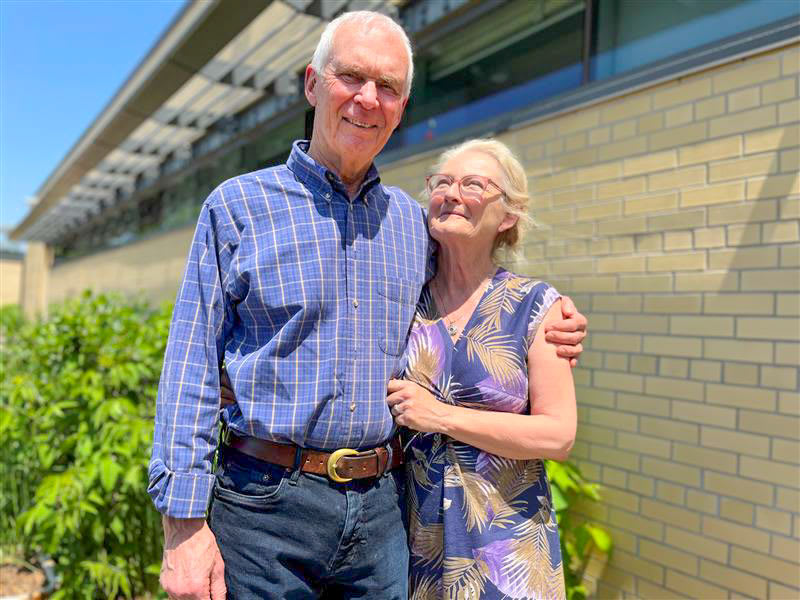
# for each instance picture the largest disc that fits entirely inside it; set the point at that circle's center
(365, 18)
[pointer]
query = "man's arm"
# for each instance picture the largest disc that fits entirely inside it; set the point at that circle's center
(568, 333)
(187, 409)
(187, 416)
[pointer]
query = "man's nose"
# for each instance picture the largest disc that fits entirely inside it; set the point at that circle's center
(368, 95)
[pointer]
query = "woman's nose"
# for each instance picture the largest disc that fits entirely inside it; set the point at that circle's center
(453, 191)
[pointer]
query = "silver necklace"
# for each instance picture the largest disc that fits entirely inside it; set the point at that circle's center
(449, 325)
(452, 330)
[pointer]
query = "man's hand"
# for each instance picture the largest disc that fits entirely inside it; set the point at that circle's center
(192, 568)
(568, 333)
(415, 407)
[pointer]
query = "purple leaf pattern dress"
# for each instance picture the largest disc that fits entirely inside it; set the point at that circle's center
(480, 526)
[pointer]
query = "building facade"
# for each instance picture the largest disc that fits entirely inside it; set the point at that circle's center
(10, 277)
(662, 142)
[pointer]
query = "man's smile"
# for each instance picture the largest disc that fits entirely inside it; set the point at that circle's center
(359, 124)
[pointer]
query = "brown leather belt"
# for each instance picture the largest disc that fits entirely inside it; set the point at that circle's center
(340, 465)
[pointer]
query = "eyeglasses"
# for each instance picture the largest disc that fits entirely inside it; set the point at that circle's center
(470, 186)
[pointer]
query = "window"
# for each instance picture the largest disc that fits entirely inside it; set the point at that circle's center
(525, 52)
(520, 53)
(632, 33)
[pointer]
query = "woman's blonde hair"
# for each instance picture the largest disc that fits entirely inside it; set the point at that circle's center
(515, 186)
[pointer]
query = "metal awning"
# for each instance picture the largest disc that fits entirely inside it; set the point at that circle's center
(217, 58)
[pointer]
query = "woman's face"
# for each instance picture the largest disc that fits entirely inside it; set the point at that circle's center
(455, 219)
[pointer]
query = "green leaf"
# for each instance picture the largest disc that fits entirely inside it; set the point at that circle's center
(98, 532)
(582, 537)
(125, 586)
(600, 537)
(117, 527)
(577, 592)
(560, 501)
(569, 490)
(109, 473)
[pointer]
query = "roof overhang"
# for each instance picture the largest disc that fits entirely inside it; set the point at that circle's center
(215, 59)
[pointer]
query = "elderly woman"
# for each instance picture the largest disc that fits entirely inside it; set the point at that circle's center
(487, 395)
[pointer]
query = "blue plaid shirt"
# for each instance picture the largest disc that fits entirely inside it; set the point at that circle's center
(308, 298)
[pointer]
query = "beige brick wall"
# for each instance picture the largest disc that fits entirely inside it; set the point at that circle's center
(150, 269)
(36, 268)
(10, 281)
(671, 216)
(672, 219)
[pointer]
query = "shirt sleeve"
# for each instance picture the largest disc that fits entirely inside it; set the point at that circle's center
(187, 409)
(543, 295)
(432, 250)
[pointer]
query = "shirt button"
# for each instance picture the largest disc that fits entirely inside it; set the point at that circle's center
(355, 303)
(328, 195)
(353, 407)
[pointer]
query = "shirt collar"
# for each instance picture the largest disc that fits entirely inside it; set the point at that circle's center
(321, 180)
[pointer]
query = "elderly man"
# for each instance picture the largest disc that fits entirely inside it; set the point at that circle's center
(302, 279)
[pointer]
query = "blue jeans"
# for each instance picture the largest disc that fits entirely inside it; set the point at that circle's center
(289, 535)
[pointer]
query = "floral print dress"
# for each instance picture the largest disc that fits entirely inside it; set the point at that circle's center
(480, 526)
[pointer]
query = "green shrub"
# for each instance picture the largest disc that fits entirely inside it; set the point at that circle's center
(11, 321)
(585, 546)
(16, 484)
(77, 399)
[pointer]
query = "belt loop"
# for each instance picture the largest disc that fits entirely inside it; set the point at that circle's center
(298, 459)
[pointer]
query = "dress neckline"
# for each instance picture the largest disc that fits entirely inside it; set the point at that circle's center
(440, 323)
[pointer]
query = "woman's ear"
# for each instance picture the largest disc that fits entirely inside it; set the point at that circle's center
(507, 223)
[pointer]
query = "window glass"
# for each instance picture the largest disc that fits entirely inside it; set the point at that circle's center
(633, 33)
(525, 52)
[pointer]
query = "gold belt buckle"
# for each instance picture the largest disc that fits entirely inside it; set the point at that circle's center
(333, 459)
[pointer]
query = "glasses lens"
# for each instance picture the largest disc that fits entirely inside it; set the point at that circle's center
(438, 183)
(473, 186)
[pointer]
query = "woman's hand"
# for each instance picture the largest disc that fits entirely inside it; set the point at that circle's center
(416, 408)
(568, 333)
(226, 395)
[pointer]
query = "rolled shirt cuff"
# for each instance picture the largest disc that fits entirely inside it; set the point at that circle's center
(179, 495)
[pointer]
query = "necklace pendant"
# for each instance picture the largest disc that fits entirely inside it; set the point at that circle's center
(452, 329)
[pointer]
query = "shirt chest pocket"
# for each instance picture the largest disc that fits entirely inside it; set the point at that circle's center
(396, 301)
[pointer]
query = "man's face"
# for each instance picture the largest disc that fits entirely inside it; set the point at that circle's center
(359, 98)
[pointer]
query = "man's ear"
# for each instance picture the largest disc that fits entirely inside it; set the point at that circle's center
(310, 85)
(402, 112)
(507, 223)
